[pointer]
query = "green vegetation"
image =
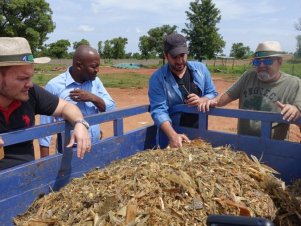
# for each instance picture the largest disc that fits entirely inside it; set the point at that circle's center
(119, 80)
(234, 71)
(125, 80)
(43, 73)
(26, 18)
(202, 30)
(151, 45)
(292, 67)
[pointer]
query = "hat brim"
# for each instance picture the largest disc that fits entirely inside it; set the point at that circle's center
(39, 60)
(272, 55)
(178, 50)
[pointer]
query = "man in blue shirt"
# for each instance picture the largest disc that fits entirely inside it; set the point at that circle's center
(80, 86)
(177, 82)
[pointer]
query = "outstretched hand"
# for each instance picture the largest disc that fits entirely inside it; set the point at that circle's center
(177, 140)
(206, 104)
(289, 112)
(81, 137)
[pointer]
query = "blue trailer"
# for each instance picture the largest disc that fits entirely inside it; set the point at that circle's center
(21, 185)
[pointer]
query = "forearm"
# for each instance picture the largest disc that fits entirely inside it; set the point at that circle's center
(68, 111)
(98, 102)
(223, 99)
(167, 129)
(1, 149)
(44, 151)
(71, 113)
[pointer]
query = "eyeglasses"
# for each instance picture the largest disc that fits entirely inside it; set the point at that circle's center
(265, 61)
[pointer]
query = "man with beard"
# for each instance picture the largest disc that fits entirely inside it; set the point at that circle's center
(177, 82)
(21, 100)
(264, 88)
(80, 86)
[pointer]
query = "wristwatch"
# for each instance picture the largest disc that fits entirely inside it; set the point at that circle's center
(82, 121)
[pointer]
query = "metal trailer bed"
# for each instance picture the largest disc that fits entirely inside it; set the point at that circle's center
(21, 185)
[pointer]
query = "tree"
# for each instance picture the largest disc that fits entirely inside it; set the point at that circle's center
(145, 47)
(239, 51)
(107, 50)
(128, 55)
(298, 25)
(26, 18)
(59, 49)
(202, 33)
(298, 52)
(136, 56)
(81, 42)
(115, 48)
(152, 45)
(99, 48)
(118, 47)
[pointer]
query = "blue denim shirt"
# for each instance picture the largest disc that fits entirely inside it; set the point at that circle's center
(61, 87)
(163, 91)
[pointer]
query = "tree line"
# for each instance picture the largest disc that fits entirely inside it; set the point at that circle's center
(33, 20)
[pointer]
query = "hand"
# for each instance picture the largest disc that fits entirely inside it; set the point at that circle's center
(177, 140)
(81, 136)
(206, 104)
(193, 100)
(289, 112)
(80, 95)
(1, 142)
(1, 148)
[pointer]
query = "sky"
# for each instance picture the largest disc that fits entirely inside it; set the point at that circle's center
(246, 21)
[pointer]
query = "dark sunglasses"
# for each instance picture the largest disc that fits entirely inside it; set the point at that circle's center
(265, 61)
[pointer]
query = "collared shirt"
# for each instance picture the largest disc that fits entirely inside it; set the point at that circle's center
(164, 91)
(61, 87)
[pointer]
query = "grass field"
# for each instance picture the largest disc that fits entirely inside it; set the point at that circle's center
(43, 73)
(125, 80)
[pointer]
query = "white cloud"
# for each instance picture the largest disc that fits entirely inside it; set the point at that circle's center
(138, 31)
(85, 28)
(246, 10)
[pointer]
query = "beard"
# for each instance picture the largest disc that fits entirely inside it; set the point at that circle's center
(178, 67)
(265, 76)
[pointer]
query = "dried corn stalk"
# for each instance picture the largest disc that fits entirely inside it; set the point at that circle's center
(166, 187)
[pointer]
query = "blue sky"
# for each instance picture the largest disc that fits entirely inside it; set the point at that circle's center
(246, 21)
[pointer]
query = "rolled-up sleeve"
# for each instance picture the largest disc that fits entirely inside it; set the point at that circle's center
(158, 101)
(103, 94)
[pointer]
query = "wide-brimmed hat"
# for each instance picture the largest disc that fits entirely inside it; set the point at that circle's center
(268, 49)
(16, 51)
(175, 44)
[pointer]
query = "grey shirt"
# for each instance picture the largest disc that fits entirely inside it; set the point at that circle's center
(254, 94)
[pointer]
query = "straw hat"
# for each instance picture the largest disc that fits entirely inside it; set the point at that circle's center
(16, 51)
(268, 49)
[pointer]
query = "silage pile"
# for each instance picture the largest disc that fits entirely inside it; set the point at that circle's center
(169, 187)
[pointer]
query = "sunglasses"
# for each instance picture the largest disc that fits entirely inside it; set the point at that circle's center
(265, 61)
